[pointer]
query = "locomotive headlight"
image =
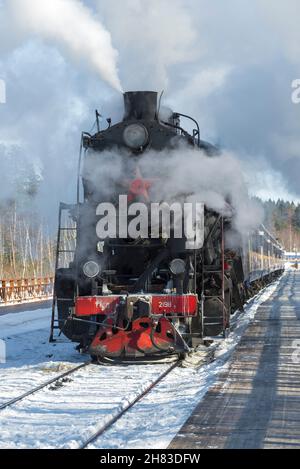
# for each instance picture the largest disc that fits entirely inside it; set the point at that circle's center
(177, 266)
(91, 269)
(135, 136)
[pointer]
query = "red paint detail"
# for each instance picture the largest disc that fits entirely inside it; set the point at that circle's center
(176, 304)
(145, 337)
(139, 188)
(92, 305)
(185, 305)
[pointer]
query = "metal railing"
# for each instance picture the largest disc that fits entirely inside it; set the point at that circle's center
(23, 290)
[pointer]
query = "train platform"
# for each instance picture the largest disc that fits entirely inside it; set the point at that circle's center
(256, 402)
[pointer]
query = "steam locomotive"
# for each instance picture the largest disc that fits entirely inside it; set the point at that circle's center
(121, 296)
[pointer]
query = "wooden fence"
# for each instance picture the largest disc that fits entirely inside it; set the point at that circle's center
(23, 290)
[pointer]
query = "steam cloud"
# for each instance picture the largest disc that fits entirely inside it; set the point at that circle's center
(181, 174)
(233, 76)
(217, 181)
(72, 25)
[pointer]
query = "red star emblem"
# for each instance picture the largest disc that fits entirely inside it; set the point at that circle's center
(138, 187)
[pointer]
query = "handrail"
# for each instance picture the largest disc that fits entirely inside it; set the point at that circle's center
(23, 290)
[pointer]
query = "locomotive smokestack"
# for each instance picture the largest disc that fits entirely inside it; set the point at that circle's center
(140, 105)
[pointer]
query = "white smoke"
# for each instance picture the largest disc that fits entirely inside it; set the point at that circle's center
(71, 25)
(154, 36)
(217, 181)
(220, 72)
(180, 174)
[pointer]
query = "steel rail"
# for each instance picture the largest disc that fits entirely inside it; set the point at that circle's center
(117, 417)
(42, 386)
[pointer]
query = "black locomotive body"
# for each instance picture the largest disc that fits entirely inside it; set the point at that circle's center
(122, 296)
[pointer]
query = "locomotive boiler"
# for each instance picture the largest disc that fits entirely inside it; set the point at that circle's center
(122, 296)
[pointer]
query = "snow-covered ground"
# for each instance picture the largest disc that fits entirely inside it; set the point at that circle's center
(64, 417)
(154, 421)
(30, 359)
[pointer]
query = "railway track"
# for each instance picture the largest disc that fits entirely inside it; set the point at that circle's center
(43, 385)
(41, 405)
(93, 402)
(137, 399)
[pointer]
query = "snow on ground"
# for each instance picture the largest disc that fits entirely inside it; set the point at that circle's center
(63, 417)
(154, 421)
(24, 322)
(30, 358)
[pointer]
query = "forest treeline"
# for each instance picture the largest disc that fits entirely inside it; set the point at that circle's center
(26, 247)
(283, 219)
